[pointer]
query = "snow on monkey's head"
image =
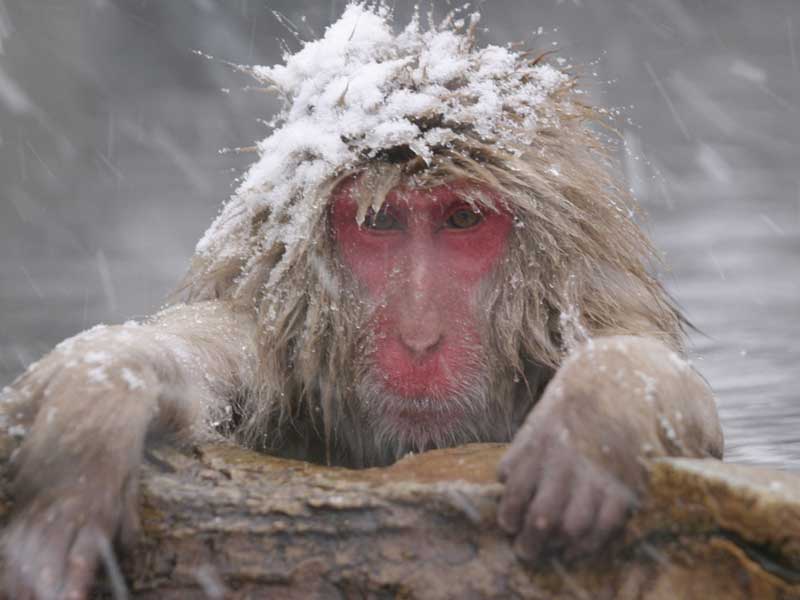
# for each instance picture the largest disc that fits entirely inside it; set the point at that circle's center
(362, 94)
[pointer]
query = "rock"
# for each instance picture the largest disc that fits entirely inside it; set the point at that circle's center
(229, 523)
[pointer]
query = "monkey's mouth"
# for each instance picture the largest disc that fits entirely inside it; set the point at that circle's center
(430, 400)
(422, 421)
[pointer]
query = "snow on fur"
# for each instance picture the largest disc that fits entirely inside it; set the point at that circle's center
(362, 89)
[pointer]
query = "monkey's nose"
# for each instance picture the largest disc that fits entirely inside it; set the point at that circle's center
(422, 342)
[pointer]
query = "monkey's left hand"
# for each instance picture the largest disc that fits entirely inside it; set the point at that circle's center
(574, 470)
(576, 467)
(557, 499)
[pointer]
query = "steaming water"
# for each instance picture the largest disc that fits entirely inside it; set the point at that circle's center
(109, 172)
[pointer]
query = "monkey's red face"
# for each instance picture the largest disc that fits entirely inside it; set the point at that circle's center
(421, 260)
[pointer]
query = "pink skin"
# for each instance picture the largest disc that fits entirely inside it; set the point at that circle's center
(423, 273)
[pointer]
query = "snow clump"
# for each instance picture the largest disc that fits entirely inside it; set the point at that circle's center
(361, 90)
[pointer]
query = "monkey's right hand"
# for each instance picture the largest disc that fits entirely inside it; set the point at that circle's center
(74, 475)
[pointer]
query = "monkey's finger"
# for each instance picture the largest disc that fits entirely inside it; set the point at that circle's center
(521, 483)
(579, 515)
(610, 518)
(527, 443)
(34, 546)
(18, 582)
(81, 564)
(545, 511)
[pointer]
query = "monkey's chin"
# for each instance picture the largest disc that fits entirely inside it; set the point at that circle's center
(424, 414)
(402, 423)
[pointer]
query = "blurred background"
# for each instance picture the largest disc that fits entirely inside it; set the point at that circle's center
(111, 127)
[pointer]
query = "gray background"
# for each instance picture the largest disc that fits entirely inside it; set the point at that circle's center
(110, 129)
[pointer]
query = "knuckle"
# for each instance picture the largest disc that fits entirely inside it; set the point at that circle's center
(538, 519)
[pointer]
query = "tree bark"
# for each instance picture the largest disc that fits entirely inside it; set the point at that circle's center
(224, 522)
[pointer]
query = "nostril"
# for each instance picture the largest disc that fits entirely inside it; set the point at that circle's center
(421, 344)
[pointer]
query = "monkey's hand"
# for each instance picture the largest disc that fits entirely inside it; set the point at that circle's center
(74, 475)
(557, 499)
(577, 467)
(84, 413)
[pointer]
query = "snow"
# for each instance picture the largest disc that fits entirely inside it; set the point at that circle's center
(679, 363)
(668, 429)
(18, 431)
(650, 385)
(98, 375)
(95, 357)
(748, 72)
(134, 381)
(362, 88)
(12, 96)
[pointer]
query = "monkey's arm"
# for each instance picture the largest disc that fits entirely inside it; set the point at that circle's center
(577, 466)
(86, 410)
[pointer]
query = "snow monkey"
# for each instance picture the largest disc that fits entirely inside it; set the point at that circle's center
(432, 249)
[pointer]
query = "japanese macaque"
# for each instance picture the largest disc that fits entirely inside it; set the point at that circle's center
(450, 281)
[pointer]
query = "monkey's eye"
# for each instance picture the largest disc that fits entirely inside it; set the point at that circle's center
(383, 220)
(464, 218)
